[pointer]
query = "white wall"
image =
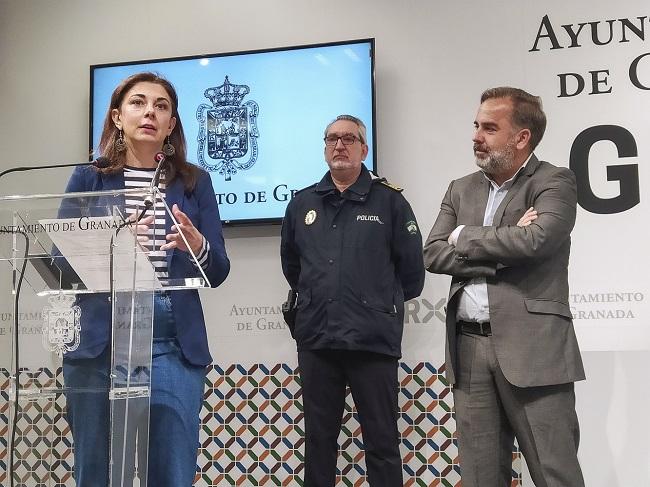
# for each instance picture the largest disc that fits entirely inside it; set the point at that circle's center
(433, 59)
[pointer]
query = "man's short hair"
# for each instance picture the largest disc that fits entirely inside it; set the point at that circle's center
(527, 110)
(351, 118)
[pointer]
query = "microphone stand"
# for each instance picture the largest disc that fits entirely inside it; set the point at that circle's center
(148, 202)
(16, 364)
(161, 159)
(99, 162)
(149, 199)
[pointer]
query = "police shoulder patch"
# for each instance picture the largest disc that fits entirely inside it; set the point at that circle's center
(391, 186)
(411, 227)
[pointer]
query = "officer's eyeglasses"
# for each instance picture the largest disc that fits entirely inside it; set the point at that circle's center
(332, 140)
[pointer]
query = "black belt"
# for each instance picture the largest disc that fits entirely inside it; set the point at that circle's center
(474, 328)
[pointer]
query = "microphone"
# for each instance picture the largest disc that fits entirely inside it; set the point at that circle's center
(100, 163)
(161, 160)
(148, 201)
(159, 157)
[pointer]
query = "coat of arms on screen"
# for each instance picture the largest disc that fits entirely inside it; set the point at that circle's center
(227, 130)
(62, 328)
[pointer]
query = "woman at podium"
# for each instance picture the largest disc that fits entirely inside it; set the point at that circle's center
(142, 129)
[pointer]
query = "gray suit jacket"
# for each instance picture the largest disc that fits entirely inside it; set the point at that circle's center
(526, 269)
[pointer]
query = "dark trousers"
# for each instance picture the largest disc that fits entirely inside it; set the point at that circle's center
(491, 412)
(373, 382)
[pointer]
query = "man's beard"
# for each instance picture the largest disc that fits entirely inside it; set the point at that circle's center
(498, 162)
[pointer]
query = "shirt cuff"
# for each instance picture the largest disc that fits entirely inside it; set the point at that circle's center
(202, 256)
(453, 238)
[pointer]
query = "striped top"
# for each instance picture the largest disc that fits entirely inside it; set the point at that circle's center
(140, 178)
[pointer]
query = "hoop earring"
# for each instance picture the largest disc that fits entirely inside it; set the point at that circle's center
(120, 143)
(168, 149)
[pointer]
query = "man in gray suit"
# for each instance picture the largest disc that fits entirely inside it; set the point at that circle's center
(503, 234)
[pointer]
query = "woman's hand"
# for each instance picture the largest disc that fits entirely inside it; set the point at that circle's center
(141, 227)
(192, 235)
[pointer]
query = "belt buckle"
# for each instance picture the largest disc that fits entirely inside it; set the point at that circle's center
(483, 331)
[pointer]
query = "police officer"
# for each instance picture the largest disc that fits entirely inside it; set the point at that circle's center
(352, 249)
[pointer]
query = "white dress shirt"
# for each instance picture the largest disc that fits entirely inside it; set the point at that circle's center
(473, 304)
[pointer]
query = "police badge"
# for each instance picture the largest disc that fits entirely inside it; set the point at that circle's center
(62, 329)
(310, 217)
(229, 127)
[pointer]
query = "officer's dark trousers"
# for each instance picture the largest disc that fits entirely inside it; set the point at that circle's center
(372, 379)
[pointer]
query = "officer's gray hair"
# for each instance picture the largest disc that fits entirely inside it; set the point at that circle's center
(350, 118)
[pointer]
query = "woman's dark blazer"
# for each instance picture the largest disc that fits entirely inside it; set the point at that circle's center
(201, 208)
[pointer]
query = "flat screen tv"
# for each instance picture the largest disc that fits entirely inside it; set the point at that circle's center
(255, 119)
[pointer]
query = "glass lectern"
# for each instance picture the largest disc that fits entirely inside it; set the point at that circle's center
(75, 282)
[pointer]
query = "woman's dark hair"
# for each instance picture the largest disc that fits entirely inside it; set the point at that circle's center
(177, 164)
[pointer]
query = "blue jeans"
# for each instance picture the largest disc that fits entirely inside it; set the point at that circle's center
(174, 406)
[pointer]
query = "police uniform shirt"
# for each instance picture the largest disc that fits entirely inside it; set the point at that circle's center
(354, 258)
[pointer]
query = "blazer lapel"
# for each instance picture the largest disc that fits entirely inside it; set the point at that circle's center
(173, 195)
(528, 171)
(479, 198)
(113, 182)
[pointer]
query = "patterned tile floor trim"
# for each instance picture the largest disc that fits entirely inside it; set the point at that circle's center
(252, 431)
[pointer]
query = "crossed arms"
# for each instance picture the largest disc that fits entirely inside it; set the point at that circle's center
(481, 250)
